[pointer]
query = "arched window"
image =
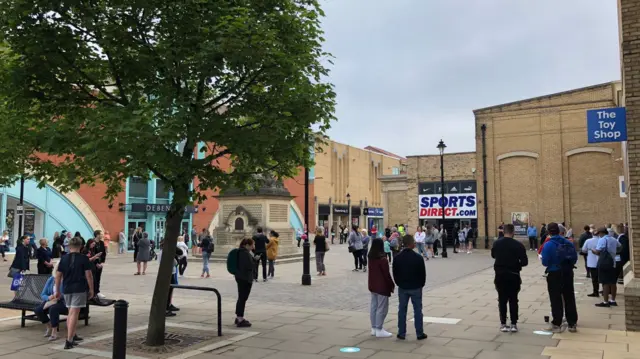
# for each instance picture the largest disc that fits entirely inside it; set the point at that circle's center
(239, 224)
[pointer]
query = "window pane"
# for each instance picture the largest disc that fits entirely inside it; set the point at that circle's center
(162, 189)
(137, 187)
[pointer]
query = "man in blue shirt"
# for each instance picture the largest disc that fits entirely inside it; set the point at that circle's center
(532, 233)
(607, 273)
(559, 256)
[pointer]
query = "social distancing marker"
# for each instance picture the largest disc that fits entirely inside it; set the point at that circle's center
(542, 332)
(349, 350)
(439, 320)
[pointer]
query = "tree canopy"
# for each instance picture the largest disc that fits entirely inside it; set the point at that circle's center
(103, 90)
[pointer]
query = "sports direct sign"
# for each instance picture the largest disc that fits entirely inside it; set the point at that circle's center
(462, 205)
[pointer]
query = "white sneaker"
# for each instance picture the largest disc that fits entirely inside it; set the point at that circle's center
(383, 334)
(47, 332)
(101, 296)
(373, 332)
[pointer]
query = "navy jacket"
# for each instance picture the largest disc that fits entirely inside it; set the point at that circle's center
(21, 260)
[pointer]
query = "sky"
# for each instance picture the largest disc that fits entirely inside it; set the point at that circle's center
(408, 73)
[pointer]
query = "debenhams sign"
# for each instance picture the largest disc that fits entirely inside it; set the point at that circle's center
(156, 208)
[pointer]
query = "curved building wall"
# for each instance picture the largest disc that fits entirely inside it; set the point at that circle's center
(48, 211)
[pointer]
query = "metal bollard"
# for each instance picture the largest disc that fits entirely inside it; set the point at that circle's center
(121, 308)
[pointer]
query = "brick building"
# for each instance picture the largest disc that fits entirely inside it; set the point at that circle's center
(144, 203)
(539, 162)
(629, 15)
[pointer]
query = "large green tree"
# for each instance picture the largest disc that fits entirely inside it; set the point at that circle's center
(101, 90)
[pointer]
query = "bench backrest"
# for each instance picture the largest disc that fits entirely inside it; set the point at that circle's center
(30, 288)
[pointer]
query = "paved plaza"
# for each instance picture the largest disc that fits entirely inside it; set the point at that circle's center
(292, 321)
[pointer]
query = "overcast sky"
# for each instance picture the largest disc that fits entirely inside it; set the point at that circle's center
(409, 72)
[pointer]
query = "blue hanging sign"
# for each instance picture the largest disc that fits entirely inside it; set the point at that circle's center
(607, 125)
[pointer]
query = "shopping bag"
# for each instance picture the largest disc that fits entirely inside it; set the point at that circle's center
(17, 281)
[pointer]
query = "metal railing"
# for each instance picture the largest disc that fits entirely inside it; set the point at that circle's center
(206, 289)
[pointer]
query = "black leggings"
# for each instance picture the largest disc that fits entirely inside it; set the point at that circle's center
(182, 265)
(357, 259)
(594, 280)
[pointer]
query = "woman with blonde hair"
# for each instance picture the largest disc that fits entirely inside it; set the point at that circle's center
(320, 242)
(182, 259)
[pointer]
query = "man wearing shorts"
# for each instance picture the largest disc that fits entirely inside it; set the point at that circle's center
(75, 269)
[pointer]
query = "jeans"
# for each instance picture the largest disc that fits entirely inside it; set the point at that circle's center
(533, 242)
(416, 300)
(594, 280)
(262, 258)
(272, 268)
(378, 311)
(320, 262)
(170, 295)
(244, 289)
(562, 296)
(508, 287)
(205, 262)
(363, 257)
(120, 247)
(53, 312)
(421, 250)
(97, 277)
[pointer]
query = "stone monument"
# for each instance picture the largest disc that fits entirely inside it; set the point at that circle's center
(241, 212)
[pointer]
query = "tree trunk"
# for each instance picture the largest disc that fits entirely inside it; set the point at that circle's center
(156, 328)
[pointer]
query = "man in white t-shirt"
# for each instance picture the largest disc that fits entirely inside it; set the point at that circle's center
(419, 236)
(592, 264)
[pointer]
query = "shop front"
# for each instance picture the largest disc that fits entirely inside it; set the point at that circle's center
(459, 206)
(151, 218)
(374, 218)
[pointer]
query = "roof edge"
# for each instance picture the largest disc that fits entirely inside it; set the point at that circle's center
(561, 93)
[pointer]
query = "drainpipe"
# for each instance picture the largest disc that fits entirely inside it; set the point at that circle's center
(483, 128)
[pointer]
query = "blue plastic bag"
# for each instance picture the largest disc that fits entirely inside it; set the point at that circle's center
(16, 282)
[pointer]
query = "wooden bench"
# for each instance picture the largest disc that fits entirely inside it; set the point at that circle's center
(27, 299)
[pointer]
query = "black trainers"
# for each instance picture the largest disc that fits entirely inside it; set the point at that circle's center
(76, 338)
(613, 303)
(173, 308)
(421, 337)
(603, 305)
(170, 314)
(68, 344)
(594, 295)
(244, 324)
(400, 337)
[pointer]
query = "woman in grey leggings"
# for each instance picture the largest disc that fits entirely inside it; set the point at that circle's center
(321, 248)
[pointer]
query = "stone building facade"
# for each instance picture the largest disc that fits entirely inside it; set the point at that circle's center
(629, 16)
(342, 170)
(539, 161)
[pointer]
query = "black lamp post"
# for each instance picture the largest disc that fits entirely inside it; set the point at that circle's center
(306, 254)
(349, 221)
(441, 147)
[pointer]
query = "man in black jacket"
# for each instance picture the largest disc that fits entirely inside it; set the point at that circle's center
(510, 256)
(260, 251)
(410, 275)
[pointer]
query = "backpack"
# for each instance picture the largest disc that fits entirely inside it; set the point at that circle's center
(210, 246)
(566, 253)
(605, 259)
(232, 261)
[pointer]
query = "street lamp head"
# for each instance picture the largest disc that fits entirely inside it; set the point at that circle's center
(441, 147)
(348, 196)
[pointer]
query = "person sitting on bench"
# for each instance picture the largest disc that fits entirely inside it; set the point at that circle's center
(51, 308)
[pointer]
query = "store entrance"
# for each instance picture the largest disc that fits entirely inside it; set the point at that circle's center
(131, 226)
(375, 222)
